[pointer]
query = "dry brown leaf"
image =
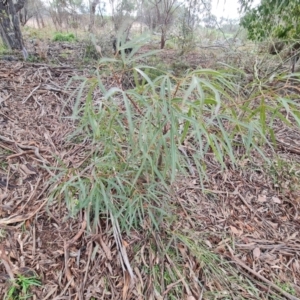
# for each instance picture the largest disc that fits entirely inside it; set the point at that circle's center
(234, 230)
(125, 244)
(276, 200)
(261, 198)
(274, 225)
(256, 253)
(126, 285)
(3, 196)
(296, 266)
(105, 249)
(98, 49)
(269, 258)
(26, 170)
(157, 295)
(244, 162)
(208, 243)
(292, 236)
(183, 250)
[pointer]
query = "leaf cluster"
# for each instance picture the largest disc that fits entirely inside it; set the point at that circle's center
(20, 288)
(275, 19)
(144, 138)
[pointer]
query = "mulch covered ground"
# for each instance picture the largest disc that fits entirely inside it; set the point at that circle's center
(249, 216)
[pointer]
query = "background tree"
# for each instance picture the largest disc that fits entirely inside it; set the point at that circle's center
(32, 9)
(165, 13)
(229, 25)
(123, 15)
(93, 6)
(210, 21)
(148, 15)
(279, 19)
(57, 11)
(10, 31)
(189, 19)
(67, 13)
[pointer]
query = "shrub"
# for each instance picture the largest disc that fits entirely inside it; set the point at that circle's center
(61, 37)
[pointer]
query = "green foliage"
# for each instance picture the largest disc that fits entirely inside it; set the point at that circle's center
(90, 49)
(287, 287)
(61, 37)
(33, 58)
(143, 138)
(3, 235)
(179, 67)
(30, 33)
(160, 128)
(20, 288)
(3, 48)
(275, 18)
(186, 38)
(285, 175)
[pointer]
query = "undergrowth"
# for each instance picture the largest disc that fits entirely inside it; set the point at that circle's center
(145, 135)
(20, 288)
(64, 37)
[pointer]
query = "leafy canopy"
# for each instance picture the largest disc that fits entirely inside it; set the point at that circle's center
(272, 18)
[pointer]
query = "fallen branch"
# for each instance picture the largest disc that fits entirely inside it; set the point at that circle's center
(36, 88)
(66, 250)
(271, 284)
(20, 218)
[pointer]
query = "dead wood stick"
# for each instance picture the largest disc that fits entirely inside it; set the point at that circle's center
(6, 262)
(66, 250)
(36, 88)
(4, 99)
(79, 234)
(20, 218)
(288, 146)
(170, 286)
(19, 154)
(274, 286)
(67, 269)
(27, 147)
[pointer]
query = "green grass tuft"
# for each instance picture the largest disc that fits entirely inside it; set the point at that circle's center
(61, 37)
(20, 288)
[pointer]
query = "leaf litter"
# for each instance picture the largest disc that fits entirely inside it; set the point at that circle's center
(241, 216)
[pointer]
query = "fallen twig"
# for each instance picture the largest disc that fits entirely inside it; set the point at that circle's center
(271, 284)
(66, 250)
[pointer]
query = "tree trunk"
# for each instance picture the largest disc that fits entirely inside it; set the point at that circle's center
(39, 17)
(38, 20)
(163, 38)
(10, 26)
(92, 14)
